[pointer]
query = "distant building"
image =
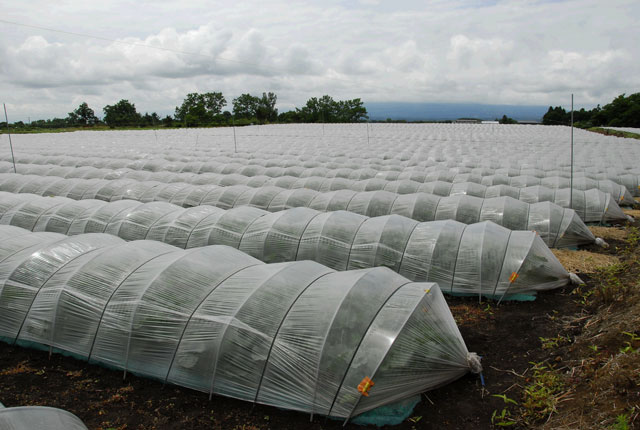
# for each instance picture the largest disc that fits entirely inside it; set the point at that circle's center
(529, 122)
(490, 122)
(467, 121)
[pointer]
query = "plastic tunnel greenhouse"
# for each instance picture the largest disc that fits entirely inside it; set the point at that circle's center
(618, 182)
(592, 205)
(557, 226)
(292, 335)
(38, 418)
(482, 259)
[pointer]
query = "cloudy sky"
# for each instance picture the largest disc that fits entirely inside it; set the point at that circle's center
(155, 52)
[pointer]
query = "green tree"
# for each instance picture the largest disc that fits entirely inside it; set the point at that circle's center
(266, 110)
(121, 114)
(167, 121)
(291, 116)
(325, 109)
(623, 111)
(321, 109)
(83, 115)
(556, 116)
(506, 120)
(351, 111)
(200, 109)
(150, 120)
(245, 106)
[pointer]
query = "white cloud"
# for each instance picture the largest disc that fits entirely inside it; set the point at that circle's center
(517, 52)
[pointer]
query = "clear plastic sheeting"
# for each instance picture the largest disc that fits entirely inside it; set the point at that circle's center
(433, 168)
(619, 192)
(292, 335)
(549, 220)
(38, 418)
(483, 259)
(322, 184)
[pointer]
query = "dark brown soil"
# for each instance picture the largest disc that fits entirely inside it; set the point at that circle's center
(506, 336)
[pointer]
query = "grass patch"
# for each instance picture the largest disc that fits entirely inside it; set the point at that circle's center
(36, 130)
(609, 132)
(542, 391)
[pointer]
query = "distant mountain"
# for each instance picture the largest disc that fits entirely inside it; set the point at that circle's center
(449, 111)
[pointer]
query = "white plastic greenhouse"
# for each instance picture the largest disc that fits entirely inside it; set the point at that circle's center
(344, 178)
(482, 259)
(353, 151)
(38, 418)
(290, 265)
(293, 335)
(591, 205)
(558, 227)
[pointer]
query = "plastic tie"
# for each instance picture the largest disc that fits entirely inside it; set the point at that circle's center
(473, 360)
(575, 279)
(365, 385)
(600, 242)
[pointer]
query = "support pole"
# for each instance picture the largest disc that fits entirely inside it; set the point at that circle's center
(368, 133)
(571, 181)
(235, 143)
(9, 134)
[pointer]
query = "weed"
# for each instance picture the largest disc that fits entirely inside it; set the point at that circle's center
(488, 309)
(629, 344)
(541, 395)
(503, 418)
(584, 295)
(610, 288)
(554, 342)
(622, 422)
(633, 237)
(506, 399)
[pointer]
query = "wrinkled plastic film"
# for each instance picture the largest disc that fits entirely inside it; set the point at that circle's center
(462, 258)
(291, 335)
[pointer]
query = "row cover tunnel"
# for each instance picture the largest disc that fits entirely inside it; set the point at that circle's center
(620, 186)
(294, 335)
(593, 205)
(557, 226)
(482, 259)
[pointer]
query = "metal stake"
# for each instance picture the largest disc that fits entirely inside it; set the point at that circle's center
(9, 134)
(571, 181)
(235, 143)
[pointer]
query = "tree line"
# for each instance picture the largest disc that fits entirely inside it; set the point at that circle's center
(206, 109)
(623, 111)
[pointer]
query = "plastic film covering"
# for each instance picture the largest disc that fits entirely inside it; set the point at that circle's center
(403, 186)
(619, 192)
(240, 172)
(292, 335)
(463, 259)
(38, 418)
(514, 214)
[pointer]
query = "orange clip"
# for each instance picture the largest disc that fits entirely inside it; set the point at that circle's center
(513, 277)
(365, 386)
